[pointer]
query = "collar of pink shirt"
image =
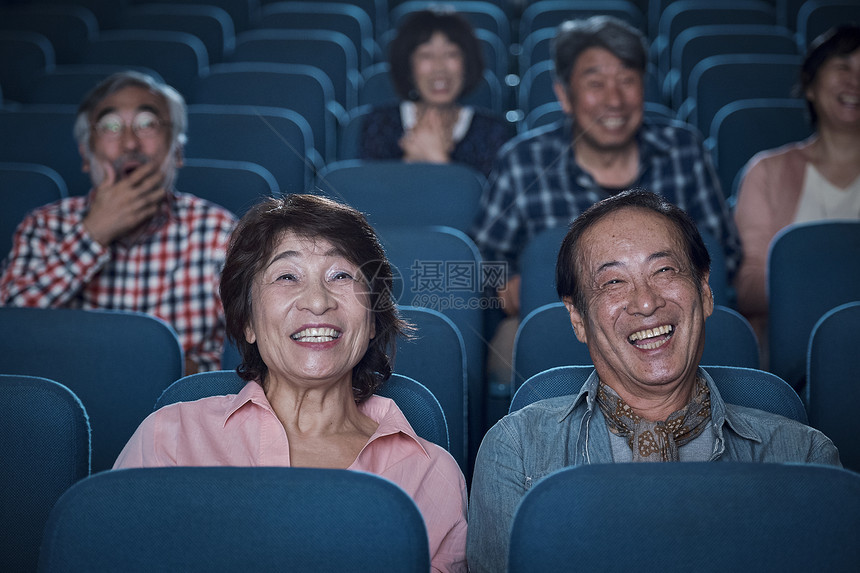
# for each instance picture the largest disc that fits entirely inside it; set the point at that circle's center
(383, 411)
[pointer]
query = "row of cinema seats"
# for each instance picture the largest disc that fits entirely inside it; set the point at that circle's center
(293, 134)
(439, 267)
(53, 441)
(511, 42)
(704, 56)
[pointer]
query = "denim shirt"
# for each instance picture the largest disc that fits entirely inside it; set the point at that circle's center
(527, 445)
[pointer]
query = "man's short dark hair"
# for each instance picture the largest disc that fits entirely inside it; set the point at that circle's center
(617, 37)
(417, 28)
(569, 256)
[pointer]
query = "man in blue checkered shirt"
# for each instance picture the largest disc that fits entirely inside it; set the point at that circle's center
(548, 176)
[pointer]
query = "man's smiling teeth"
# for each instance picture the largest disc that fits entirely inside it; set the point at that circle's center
(613, 122)
(651, 333)
(849, 100)
(316, 335)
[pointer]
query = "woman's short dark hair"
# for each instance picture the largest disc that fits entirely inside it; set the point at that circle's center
(835, 42)
(251, 246)
(569, 256)
(417, 28)
(619, 38)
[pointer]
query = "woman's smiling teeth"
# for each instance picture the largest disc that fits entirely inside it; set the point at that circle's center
(316, 335)
(642, 339)
(613, 122)
(851, 100)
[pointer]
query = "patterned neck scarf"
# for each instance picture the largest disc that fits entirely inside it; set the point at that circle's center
(656, 441)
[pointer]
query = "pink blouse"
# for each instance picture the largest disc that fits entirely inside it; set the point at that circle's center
(243, 430)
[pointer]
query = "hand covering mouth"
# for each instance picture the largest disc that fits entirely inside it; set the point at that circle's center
(652, 338)
(325, 334)
(126, 165)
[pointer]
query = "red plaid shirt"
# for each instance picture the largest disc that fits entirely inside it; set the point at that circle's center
(172, 271)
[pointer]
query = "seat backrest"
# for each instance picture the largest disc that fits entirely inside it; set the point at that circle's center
(536, 86)
(211, 24)
(699, 42)
(394, 193)
(817, 16)
(376, 88)
(826, 251)
(23, 187)
(495, 53)
(235, 519)
(347, 19)
(535, 48)
(279, 140)
(545, 339)
(235, 185)
(680, 15)
(46, 448)
(486, 15)
(117, 363)
(417, 403)
(537, 269)
(69, 27)
(441, 268)
(743, 128)
(303, 89)
(730, 340)
(69, 84)
(757, 508)
(245, 14)
(330, 51)
(786, 12)
(720, 80)
(550, 13)
(179, 57)
(543, 115)
(437, 336)
(740, 386)
(349, 138)
(831, 389)
(107, 12)
(718, 279)
(33, 56)
(42, 134)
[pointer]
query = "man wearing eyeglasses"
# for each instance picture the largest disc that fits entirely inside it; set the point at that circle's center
(133, 243)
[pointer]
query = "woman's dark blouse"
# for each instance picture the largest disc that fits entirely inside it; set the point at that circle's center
(383, 128)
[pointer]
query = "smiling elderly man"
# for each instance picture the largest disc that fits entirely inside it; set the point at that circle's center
(633, 274)
(133, 243)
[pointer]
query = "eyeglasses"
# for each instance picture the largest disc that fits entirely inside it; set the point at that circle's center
(145, 125)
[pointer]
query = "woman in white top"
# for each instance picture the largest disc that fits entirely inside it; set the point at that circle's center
(811, 180)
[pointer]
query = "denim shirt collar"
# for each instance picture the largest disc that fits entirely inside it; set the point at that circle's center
(592, 449)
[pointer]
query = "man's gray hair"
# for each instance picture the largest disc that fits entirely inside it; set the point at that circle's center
(121, 80)
(619, 38)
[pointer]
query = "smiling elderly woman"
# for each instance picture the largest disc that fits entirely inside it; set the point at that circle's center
(436, 60)
(307, 298)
